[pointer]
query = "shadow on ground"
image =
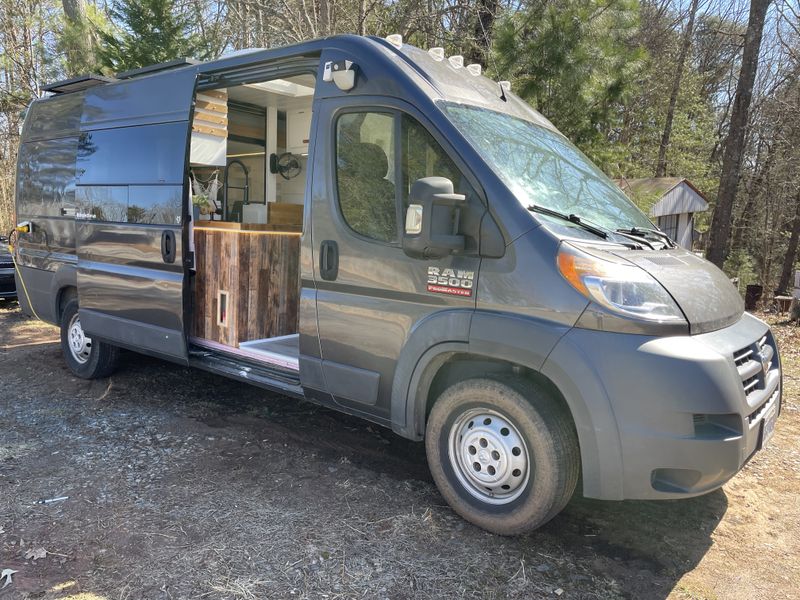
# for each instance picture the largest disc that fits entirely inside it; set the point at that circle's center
(644, 546)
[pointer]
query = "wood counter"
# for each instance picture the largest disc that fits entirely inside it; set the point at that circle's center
(258, 267)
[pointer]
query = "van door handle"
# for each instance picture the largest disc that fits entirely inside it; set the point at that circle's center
(329, 260)
(168, 249)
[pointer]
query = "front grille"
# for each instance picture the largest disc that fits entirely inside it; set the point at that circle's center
(750, 363)
(759, 412)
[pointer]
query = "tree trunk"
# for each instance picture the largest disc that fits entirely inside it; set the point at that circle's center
(732, 158)
(487, 12)
(791, 252)
(80, 54)
(686, 44)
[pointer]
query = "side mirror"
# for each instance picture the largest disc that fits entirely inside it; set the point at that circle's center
(432, 219)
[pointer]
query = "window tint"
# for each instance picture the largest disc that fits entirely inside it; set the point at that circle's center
(147, 155)
(47, 176)
(424, 157)
(365, 174)
(146, 204)
(368, 171)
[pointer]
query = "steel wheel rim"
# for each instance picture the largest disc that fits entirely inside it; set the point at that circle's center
(80, 346)
(489, 456)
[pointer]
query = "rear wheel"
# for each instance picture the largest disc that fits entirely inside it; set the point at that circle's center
(503, 454)
(85, 357)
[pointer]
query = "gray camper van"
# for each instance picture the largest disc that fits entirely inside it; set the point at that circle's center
(383, 230)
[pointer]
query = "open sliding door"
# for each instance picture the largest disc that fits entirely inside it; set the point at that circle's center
(132, 212)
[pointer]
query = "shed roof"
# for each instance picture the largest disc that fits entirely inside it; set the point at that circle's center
(660, 196)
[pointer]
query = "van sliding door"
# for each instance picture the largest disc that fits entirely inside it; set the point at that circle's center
(131, 198)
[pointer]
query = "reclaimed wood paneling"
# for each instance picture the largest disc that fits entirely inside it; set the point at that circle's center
(260, 272)
(285, 214)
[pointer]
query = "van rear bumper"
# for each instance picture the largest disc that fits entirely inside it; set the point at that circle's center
(667, 417)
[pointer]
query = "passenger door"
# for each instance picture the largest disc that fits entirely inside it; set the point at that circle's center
(131, 197)
(370, 294)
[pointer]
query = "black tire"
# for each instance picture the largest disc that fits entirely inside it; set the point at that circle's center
(96, 359)
(550, 451)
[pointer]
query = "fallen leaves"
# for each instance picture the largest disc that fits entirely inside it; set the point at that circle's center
(6, 574)
(35, 553)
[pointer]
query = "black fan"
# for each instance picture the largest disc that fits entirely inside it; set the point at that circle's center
(287, 165)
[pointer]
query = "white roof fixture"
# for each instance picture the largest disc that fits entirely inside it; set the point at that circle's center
(457, 61)
(437, 54)
(506, 85)
(395, 40)
(474, 69)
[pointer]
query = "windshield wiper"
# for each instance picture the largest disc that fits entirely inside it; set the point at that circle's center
(643, 232)
(636, 238)
(571, 218)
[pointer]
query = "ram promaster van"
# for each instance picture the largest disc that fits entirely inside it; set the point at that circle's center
(385, 231)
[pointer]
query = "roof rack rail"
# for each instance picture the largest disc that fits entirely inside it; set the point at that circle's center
(76, 84)
(172, 64)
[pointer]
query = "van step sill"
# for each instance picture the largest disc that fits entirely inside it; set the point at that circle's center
(273, 378)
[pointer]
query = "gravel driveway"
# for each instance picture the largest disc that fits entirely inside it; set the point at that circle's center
(181, 484)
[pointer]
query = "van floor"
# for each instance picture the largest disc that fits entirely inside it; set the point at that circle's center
(285, 348)
(282, 351)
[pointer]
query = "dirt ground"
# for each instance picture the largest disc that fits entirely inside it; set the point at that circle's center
(181, 484)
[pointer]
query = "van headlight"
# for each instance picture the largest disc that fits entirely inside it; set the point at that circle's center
(620, 287)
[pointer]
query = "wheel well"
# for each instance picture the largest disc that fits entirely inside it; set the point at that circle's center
(65, 294)
(461, 366)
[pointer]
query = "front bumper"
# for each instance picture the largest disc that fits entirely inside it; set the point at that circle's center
(687, 412)
(8, 287)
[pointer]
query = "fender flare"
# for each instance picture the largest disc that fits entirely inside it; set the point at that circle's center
(65, 276)
(495, 335)
(525, 341)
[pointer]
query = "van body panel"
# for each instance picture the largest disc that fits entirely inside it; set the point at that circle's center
(683, 274)
(366, 314)
(525, 282)
(641, 421)
(430, 342)
(132, 193)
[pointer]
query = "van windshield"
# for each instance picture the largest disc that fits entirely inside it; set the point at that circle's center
(542, 168)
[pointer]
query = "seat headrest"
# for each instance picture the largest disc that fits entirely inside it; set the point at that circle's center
(362, 159)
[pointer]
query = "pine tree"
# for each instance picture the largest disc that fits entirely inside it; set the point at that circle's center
(148, 32)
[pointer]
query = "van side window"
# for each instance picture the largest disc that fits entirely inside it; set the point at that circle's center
(365, 177)
(47, 177)
(424, 157)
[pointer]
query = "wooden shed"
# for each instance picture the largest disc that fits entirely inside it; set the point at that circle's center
(670, 201)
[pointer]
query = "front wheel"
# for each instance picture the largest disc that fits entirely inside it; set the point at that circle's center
(87, 358)
(503, 454)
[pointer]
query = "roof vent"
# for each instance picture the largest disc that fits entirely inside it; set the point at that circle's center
(395, 40)
(457, 61)
(437, 54)
(474, 69)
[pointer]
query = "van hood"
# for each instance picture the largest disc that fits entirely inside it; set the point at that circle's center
(704, 293)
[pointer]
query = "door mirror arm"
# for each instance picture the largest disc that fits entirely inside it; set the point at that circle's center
(432, 219)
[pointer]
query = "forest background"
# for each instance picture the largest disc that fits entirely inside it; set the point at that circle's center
(702, 89)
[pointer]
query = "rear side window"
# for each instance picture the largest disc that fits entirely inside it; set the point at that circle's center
(46, 177)
(132, 174)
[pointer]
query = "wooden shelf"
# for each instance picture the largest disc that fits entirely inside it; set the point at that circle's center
(253, 227)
